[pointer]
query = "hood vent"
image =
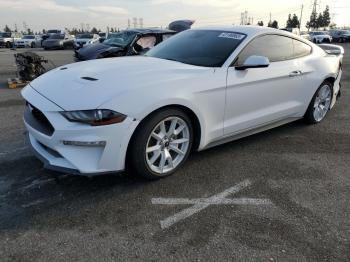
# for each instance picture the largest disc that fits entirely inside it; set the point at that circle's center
(89, 78)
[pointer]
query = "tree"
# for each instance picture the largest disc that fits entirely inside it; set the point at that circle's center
(7, 29)
(312, 23)
(94, 30)
(332, 25)
(29, 31)
(289, 21)
(326, 17)
(273, 24)
(319, 21)
(260, 23)
(295, 21)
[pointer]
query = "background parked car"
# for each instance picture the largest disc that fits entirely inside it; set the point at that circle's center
(51, 32)
(58, 41)
(125, 43)
(340, 36)
(29, 41)
(103, 36)
(305, 35)
(320, 37)
(82, 39)
(7, 39)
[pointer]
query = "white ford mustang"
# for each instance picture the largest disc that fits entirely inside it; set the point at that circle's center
(200, 88)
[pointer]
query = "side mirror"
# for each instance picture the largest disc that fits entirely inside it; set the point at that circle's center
(254, 61)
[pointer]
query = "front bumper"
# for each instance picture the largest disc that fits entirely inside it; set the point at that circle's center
(86, 160)
(24, 45)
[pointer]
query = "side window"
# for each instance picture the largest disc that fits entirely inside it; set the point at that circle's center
(301, 49)
(274, 47)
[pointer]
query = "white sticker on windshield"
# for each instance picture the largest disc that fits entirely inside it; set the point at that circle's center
(232, 36)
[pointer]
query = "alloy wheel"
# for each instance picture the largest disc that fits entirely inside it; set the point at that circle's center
(322, 102)
(167, 145)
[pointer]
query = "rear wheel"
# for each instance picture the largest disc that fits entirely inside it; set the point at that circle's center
(320, 104)
(161, 144)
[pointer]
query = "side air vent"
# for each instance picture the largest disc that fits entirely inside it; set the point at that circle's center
(89, 78)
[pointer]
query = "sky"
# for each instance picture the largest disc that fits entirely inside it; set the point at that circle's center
(60, 14)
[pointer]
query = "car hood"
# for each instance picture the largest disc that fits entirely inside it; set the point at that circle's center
(90, 84)
(92, 51)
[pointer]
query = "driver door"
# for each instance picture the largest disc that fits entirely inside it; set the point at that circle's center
(260, 96)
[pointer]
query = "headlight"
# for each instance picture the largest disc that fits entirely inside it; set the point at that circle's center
(98, 117)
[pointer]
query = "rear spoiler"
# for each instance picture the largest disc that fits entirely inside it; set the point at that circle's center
(332, 49)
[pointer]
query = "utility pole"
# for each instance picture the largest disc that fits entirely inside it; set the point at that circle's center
(301, 16)
(134, 21)
(314, 7)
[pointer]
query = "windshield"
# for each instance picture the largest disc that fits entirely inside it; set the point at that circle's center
(56, 36)
(5, 34)
(85, 36)
(53, 31)
(209, 48)
(28, 37)
(319, 33)
(120, 39)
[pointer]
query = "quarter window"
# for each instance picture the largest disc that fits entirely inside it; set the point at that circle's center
(301, 49)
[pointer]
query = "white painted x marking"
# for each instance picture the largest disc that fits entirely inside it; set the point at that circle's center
(200, 204)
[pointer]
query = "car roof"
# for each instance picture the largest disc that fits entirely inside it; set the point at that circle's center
(249, 30)
(150, 30)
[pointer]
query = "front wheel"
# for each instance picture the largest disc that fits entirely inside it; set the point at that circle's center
(320, 104)
(161, 144)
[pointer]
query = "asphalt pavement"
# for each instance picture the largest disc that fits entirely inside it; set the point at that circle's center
(282, 195)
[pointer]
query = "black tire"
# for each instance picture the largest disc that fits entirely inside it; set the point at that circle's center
(309, 115)
(136, 158)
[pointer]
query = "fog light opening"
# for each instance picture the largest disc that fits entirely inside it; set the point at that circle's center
(84, 143)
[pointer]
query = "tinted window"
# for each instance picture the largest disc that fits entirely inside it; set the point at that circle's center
(275, 48)
(28, 37)
(209, 48)
(301, 49)
(5, 34)
(56, 36)
(85, 36)
(122, 39)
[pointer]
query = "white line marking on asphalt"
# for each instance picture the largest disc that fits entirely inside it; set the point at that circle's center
(200, 204)
(225, 201)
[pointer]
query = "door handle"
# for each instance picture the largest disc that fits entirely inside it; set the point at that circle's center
(295, 73)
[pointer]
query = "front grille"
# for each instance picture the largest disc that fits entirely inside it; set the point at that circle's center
(37, 120)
